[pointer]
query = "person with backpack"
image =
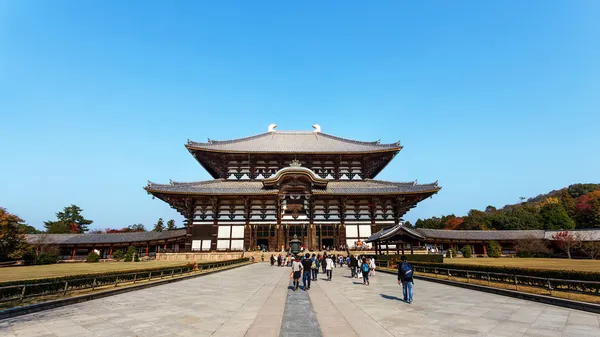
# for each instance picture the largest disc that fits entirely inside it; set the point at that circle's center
(324, 262)
(405, 278)
(365, 271)
(314, 267)
(353, 263)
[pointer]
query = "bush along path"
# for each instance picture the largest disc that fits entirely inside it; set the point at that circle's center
(18, 293)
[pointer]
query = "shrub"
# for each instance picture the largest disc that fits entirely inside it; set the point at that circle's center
(493, 249)
(129, 254)
(92, 257)
(451, 250)
(136, 257)
(118, 255)
(47, 258)
(466, 251)
(532, 247)
(29, 258)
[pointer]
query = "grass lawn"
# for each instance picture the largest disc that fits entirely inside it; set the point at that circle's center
(65, 269)
(563, 264)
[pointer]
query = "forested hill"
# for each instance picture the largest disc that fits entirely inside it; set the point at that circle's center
(576, 206)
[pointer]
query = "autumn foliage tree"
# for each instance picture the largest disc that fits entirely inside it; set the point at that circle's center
(12, 240)
(565, 241)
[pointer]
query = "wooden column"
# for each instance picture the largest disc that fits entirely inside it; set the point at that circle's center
(412, 251)
(110, 253)
(484, 249)
(74, 253)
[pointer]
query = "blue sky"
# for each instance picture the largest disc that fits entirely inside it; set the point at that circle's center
(495, 100)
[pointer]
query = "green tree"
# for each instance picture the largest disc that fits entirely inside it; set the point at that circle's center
(493, 249)
(130, 254)
(568, 202)
(466, 251)
(12, 240)
(69, 220)
(137, 228)
(159, 226)
(554, 217)
(171, 225)
(27, 229)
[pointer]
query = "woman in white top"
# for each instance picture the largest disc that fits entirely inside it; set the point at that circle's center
(329, 267)
(372, 266)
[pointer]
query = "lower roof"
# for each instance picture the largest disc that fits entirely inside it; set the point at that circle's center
(82, 239)
(334, 187)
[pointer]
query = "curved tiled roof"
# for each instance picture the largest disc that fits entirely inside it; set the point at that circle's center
(81, 239)
(391, 231)
(241, 187)
(293, 142)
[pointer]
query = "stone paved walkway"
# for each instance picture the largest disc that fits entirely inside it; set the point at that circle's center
(252, 300)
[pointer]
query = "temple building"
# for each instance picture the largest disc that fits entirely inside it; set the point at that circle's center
(272, 187)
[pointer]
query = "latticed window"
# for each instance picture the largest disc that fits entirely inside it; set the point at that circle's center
(328, 230)
(298, 230)
(265, 231)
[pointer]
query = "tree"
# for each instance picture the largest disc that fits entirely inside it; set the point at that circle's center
(493, 249)
(12, 240)
(171, 225)
(554, 217)
(159, 226)
(466, 251)
(137, 227)
(568, 202)
(69, 220)
(27, 229)
(408, 224)
(565, 241)
(533, 247)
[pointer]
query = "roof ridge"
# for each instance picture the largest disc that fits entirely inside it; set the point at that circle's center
(377, 142)
(235, 140)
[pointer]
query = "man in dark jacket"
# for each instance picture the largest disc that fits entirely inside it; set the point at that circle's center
(405, 278)
(307, 271)
(353, 265)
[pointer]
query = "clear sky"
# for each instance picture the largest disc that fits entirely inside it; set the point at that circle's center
(495, 99)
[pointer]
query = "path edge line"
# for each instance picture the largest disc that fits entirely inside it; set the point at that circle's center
(560, 302)
(33, 308)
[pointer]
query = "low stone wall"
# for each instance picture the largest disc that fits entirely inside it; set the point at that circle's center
(199, 257)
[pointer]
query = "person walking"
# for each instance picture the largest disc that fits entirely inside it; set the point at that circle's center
(324, 262)
(314, 268)
(352, 265)
(262, 257)
(365, 271)
(372, 266)
(296, 272)
(405, 278)
(272, 260)
(306, 271)
(279, 260)
(329, 267)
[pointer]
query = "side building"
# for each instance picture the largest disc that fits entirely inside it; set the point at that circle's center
(279, 185)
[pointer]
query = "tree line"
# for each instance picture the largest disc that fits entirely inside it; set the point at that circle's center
(573, 207)
(68, 221)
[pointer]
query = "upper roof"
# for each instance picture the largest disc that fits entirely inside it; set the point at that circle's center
(293, 142)
(81, 239)
(242, 187)
(389, 232)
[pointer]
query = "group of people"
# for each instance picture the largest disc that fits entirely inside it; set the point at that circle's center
(307, 267)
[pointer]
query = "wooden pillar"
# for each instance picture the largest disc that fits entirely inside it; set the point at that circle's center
(403, 248)
(74, 253)
(516, 245)
(110, 253)
(411, 249)
(484, 249)
(147, 248)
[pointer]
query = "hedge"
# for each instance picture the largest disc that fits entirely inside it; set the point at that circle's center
(429, 258)
(525, 276)
(38, 287)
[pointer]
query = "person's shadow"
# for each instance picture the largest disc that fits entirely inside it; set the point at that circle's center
(388, 297)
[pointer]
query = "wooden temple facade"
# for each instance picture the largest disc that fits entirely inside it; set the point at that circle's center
(273, 186)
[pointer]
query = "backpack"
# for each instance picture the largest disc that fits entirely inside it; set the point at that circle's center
(365, 268)
(313, 265)
(407, 270)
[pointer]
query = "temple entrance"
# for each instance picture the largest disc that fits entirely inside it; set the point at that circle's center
(327, 243)
(263, 244)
